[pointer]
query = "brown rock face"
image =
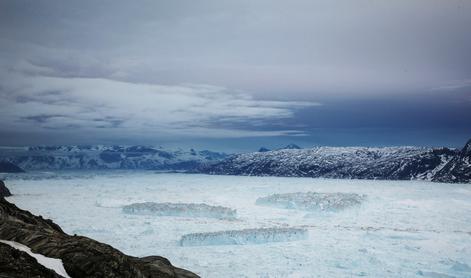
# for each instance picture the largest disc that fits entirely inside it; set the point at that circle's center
(81, 256)
(18, 264)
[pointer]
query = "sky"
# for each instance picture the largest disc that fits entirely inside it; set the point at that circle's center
(235, 75)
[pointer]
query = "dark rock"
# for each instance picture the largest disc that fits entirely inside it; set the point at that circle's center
(458, 169)
(8, 167)
(81, 256)
(18, 264)
(4, 192)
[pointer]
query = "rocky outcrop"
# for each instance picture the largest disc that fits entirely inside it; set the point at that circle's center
(81, 256)
(458, 169)
(4, 192)
(8, 167)
(18, 264)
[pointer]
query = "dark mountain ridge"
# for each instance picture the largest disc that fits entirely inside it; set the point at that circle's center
(387, 163)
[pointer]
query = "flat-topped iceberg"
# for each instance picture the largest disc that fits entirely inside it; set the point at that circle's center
(243, 237)
(312, 201)
(181, 209)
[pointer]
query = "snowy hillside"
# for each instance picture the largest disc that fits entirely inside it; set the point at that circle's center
(107, 157)
(391, 163)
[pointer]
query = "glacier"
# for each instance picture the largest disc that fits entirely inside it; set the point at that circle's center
(95, 157)
(181, 209)
(312, 201)
(246, 236)
(411, 229)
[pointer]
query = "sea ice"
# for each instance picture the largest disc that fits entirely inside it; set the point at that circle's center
(243, 237)
(181, 209)
(312, 201)
(407, 229)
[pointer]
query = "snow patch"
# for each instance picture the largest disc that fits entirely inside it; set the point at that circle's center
(312, 201)
(181, 209)
(51, 263)
(243, 237)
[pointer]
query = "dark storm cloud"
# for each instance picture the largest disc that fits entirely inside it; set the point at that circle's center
(222, 69)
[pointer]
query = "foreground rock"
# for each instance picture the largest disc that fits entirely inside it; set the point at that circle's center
(4, 192)
(8, 167)
(18, 264)
(81, 256)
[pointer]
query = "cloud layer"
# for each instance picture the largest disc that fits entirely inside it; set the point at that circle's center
(113, 70)
(31, 101)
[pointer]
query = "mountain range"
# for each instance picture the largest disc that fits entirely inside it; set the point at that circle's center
(92, 157)
(386, 163)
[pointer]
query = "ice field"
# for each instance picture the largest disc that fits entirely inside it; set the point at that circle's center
(390, 229)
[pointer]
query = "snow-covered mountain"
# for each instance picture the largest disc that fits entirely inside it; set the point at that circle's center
(391, 163)
(107, 157)
(458, 169)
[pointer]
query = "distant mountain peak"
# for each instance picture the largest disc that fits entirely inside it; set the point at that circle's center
(263, 149)
(466, 151)
(291, 146)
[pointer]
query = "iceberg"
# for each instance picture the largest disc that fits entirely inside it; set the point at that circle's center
(312, 201)
(243, 237)
(181, 209)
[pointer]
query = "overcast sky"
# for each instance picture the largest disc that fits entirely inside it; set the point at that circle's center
(235, 75)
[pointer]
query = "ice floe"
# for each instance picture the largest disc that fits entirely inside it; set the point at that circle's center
(181, 209)
(246, 236)
(312, 201)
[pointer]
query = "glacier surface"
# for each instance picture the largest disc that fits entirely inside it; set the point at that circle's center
(246, 236)
(180, 209)
(312, 201)
(406, 229)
